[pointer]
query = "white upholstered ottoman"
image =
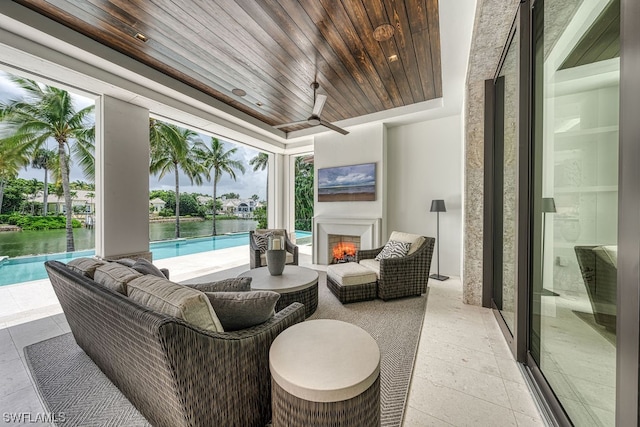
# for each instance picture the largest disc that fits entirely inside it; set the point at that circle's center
(351, 282)
(325, 373)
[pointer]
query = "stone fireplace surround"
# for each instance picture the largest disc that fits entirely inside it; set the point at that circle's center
(368, 229)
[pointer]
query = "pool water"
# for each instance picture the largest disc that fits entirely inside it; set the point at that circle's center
(25, 269)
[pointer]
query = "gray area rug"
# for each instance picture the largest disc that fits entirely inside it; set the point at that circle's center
(71, 384)
(75, 389)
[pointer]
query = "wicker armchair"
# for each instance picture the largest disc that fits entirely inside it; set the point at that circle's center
(401, 277)
(257, 258)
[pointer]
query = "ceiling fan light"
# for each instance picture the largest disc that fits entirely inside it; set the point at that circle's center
(314, 121)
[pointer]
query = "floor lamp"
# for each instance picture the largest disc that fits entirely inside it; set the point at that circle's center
(438, 206)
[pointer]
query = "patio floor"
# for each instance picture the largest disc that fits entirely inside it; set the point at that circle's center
(464, 373)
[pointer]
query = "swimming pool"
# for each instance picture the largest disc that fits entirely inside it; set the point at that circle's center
(25, 269)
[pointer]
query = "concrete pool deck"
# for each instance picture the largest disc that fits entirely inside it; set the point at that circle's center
(28, 301)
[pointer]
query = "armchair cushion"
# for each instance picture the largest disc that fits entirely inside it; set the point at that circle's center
(175, 300)
(241, 310)
(372, 265)
(415, 240)
(393, 249)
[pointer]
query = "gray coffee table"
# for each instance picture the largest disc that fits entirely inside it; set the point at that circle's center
(296, 284)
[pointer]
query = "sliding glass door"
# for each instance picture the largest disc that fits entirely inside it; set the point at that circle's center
(575, 204)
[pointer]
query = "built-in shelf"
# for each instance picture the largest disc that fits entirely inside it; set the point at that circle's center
(586, 189)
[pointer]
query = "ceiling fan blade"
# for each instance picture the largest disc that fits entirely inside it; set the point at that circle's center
(333, 127)
(319, 104)
(286, 125)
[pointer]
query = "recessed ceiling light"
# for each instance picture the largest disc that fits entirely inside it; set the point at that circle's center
(141, 37)
(238, 92)
(383, 32)
(259, 104)
(393, 58)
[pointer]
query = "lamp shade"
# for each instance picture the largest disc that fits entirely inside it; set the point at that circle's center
(548, 205)
(438, 206)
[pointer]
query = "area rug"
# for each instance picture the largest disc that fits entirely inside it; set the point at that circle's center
(395, 325)
(71, 384)
(74, 390)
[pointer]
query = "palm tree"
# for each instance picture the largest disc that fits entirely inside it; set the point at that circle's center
(47, 113)
(12, 158)
(43, 158)
(260, 162)
(171, 152)
(215, 158)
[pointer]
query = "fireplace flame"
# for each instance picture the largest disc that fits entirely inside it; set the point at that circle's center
(344, 249)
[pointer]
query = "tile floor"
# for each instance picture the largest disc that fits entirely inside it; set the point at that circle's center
(464, 373)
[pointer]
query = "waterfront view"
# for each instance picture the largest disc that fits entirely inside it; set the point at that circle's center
(31, 242)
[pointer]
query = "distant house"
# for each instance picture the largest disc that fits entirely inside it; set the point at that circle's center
(83, 198)
(157, 204)
(242, 208)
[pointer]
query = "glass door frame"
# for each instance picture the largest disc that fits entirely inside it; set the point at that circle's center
(492, 244)
(628, 295)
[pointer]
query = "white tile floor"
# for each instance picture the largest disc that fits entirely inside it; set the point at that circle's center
(464, 373)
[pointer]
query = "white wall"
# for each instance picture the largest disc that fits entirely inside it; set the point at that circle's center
(364, 144)
(424, 162)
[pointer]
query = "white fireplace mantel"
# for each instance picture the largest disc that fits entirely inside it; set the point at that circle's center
(368, 229)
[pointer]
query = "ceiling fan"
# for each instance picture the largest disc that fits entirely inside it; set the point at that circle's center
(315, 119)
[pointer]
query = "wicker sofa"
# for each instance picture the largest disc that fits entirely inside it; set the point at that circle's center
(174, 373)
(400, 277)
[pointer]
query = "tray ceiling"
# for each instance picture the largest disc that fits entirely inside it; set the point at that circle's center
(274, 49)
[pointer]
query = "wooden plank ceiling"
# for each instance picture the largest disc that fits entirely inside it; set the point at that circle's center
(274, 49)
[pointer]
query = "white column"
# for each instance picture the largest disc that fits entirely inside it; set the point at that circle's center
(122, 179)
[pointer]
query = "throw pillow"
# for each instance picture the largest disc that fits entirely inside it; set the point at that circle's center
(241, 310)
(85, 266)
(239, 284)
(115, 276)
(393, 249)
(261, 241)
(175, 300)
(145, 267)
(126, 261)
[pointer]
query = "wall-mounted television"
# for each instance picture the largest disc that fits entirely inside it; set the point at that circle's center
(355, 183)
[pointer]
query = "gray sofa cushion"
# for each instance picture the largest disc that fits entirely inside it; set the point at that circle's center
(175, 300)
(238, 284)
(240, 310)
(145, 267)
(115, 276)
(85, 266)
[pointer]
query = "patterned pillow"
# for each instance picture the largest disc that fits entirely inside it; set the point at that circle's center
(262, 241)
(393, 249)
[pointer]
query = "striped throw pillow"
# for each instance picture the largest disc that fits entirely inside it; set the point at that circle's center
(261, 241)
(394, 249)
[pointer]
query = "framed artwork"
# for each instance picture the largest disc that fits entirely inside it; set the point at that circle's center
(353, 183)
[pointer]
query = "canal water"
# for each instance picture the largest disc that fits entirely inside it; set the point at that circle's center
(21, 243)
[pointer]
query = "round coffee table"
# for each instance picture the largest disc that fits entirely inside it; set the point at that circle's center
(295, 284)
(325, 372)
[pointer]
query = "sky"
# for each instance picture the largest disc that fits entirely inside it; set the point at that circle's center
(246, 185)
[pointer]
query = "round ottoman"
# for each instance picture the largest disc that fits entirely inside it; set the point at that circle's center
(325, 373)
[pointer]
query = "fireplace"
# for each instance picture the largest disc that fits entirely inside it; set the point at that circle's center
(342, 248)
(366, 229)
